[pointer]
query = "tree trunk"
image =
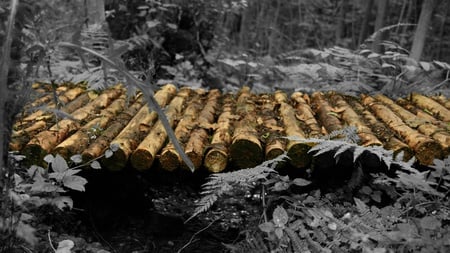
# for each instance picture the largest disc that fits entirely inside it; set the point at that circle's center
(341, 22)
(95, 11)
(365, 22)
(379, 23)
(422, 28)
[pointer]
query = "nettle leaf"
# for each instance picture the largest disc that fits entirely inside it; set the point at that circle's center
(280, 217)
(62, 202)
(96, 165)
(301, 182)
(114, 147)
(34, 170)
(267, 227)
(65, 246)
(75, 183)
(59, 164)
(76, 158)
(108, 153)
(49, 158)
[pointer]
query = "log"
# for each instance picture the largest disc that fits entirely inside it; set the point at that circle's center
(351, 118)
(170, 159)
(79, 141)
(305, 114)
(426, 149)
(199, 139)
(421, 124)
(143, 157)
(44, 142)
(432, 106)
(272, 131)
(442, 100)
(246, 149)
(297, 151)
(138, 127)
(419, 112)
(216, 158)
(326, 114)
(102, 142)
(383, 133)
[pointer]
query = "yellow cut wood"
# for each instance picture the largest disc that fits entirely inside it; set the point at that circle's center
(429, 104)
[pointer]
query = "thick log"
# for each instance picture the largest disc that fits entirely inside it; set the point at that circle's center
(297, 151)
(143, 157)
(216, 158)
(79, 141)
(326, 114)
(351, 118)
(196, 145)
(305, 114)
(138, 127)
(246, 150)
(383, 133)
(421, 124)
(426, 149)
(429, 104)
(44, 142)
(170, 159)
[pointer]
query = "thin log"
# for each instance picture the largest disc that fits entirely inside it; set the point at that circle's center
(272, 129)
(383, 133)
(216, 158)
(246, 150)
(138, 127)
(421, 124)
(143, 157)
(44, 142)
(169, 158)
(442, 100)
(305, 114)
(353, 119)
(196, 145)
(426, 149)
(429, 104)
(79, 141)
(297, 151)
(326, 114)
(419, 112)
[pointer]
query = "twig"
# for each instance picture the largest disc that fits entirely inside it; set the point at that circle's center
(196, 233)
(50, 241)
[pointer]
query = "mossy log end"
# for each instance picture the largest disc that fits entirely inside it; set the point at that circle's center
(130, 136)
(143, 157)
(425, 148)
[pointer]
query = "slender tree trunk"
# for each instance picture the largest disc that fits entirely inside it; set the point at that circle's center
(441, 34)
(422, 28)
(379, 23)
(341, 22)
(96, 11)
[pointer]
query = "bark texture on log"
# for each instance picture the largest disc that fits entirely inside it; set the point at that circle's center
(44, 142)
(429, 104)
(353, 119)
(196, 145)
(297, 151)
(138, 127)
(305, 114)
(272, 128)
(143, 157)
(326, 115)
(216, 158)
(383, 133)
(426, 149)
(246, 149)
(169, 158)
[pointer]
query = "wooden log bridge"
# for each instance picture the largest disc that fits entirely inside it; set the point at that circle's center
(224, 131)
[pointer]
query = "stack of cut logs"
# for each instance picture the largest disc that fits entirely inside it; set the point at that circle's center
(220, 131)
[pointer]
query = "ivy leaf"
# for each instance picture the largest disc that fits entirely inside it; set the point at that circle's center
(280, 217)
(65, 246)
(96, 165)
(75, 183)
(49, 158)
(59, 164)
(62, 202)
(267, 227)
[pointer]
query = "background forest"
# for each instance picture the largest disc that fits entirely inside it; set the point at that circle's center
(392, 47)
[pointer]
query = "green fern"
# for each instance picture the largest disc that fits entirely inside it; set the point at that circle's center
(221, 183)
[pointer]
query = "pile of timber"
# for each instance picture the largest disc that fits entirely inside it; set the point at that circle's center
(220, 131)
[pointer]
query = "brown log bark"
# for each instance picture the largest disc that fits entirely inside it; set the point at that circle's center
(196, 145)
(246, 150)
(383, 133)
(442, 100)
(432, 106)
(305, 114)
(79, 141)
(326, 115)
(138, 127)
(216, 158)
(44, 99)
(426, 149)
(169, 158)
(419, 112)
(438, 134)
(102, 142)
(143, 157)
(44, 142)
(353, 119)
(297, 151)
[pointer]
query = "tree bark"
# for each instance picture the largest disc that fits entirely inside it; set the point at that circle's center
(379, 23)
(422, 28)
(365, 22)
(434, 107)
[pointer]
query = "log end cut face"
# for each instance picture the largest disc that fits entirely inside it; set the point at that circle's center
(246, 153)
